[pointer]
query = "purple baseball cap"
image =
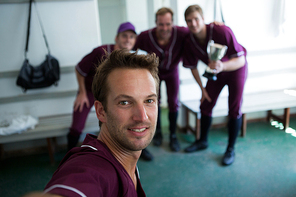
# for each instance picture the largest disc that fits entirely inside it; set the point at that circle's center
(125, 27)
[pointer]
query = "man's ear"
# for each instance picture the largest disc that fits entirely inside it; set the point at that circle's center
(101, 114)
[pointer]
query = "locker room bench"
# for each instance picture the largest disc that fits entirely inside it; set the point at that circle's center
(255, 102)
(51, 127)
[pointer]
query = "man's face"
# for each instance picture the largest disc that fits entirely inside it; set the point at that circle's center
(126, 40)
(164, 26)
(195, 22)
(132, 108)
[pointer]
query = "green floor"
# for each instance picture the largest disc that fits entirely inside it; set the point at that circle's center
(265, 166)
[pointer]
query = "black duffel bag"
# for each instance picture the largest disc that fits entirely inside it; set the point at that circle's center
(44, 75)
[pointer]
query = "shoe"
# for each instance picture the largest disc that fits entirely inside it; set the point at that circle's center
(228, 157)
(174, 144)
(157, 139)
(146, 155)
(197, 145)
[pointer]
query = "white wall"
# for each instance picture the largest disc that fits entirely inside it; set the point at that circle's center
(72, 30)
(111, 13)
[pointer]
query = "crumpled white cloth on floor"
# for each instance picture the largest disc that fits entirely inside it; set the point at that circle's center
(18, 124)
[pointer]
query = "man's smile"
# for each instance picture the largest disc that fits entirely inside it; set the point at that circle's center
(139, 130)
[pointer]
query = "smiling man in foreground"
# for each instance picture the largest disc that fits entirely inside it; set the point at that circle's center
(125, 88)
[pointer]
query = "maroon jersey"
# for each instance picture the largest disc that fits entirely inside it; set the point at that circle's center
(169, 55)
(87, 66)
(91, 170)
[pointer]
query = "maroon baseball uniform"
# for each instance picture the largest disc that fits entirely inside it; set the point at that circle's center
(91, 170)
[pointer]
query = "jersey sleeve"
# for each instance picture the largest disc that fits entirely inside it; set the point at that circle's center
(89, 61)
(234, 48)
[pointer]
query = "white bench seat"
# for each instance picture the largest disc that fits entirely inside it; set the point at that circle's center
(252, 102)
(51, 127)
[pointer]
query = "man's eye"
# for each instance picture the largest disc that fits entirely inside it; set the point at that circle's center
(150, 101)
(123, 102)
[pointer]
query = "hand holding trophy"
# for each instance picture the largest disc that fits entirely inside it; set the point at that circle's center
(215, 52)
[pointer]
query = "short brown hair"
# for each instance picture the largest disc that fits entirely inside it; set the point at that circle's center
(163, 11)
(193, 8)
(119, 59)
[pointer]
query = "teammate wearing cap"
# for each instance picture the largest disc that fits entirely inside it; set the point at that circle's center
(85, 70)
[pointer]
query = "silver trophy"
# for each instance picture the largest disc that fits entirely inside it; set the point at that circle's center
(215, 52)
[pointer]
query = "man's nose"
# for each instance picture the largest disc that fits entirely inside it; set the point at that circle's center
(165, 27)
(140, 113)
(194, 23)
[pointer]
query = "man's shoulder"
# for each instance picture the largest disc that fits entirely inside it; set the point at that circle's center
(100, 161)
(101, 51)
(94, 169)
(144, 40)
(93, 154)
(146, 32)
(181, 32)
(222, 29)
(104, 47)
(182, 29)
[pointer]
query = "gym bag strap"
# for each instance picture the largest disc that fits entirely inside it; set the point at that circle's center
(44, 75)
